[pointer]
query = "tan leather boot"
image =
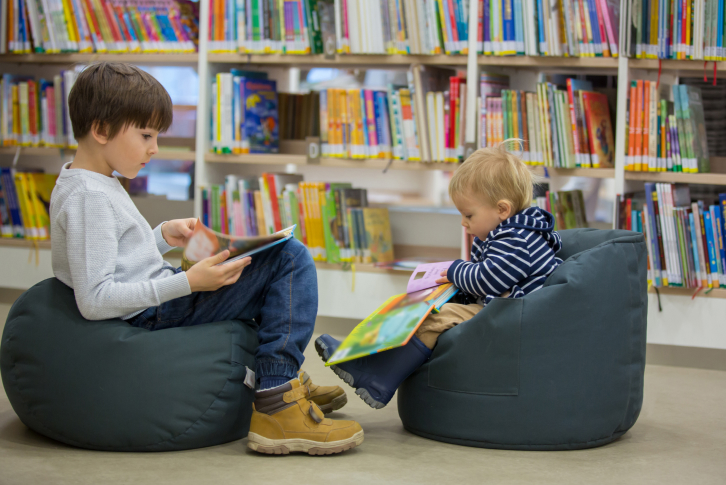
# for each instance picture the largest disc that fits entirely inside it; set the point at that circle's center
(328, 398)
(284, 421)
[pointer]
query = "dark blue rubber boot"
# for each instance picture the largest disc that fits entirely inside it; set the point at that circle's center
(377, 376)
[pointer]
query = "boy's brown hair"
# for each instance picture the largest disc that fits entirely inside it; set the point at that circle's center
(495, 174)
(117, 95)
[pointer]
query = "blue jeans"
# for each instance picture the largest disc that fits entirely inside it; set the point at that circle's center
(279, 289)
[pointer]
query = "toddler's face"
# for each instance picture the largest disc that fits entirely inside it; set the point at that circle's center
(478, 216)
(131, 149)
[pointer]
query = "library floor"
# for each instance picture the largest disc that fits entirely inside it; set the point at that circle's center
(680, 437)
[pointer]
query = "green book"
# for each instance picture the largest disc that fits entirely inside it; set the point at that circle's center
(698, 127)
(214, 208)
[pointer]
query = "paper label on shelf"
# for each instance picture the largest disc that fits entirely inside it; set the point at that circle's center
(313, 150)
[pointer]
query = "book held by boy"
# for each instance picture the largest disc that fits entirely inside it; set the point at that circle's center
(205, 243)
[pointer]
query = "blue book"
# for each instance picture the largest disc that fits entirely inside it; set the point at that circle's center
(540, 27)
(653, 230)
(12, 201)
(722, 227)
(719, 30)
(364, 116)
(597, 40)
(694, 247)
(508, 16)
(260, 115)
(487, 35)
(718, 242)
(712, 263)
(382, 124)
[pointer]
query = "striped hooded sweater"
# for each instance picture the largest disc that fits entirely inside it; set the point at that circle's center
(518, 256)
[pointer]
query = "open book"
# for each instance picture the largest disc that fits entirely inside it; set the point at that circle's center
(394, 323)
(205, 242)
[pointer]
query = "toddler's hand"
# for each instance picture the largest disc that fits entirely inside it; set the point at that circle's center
(444, 280)
(178, 231)
(207, 276)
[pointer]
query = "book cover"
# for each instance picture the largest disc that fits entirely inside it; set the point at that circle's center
(392, 324)
(260, 115)
(378, 234)
(600, 130)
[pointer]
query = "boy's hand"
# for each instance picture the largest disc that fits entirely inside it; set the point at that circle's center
(444, 280)
(178, 231)
(206, 276)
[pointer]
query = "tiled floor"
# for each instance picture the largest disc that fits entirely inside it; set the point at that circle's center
(679, 438)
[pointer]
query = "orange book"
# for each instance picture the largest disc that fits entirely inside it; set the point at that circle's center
(646, 126)
(638, 160)
(600, 129)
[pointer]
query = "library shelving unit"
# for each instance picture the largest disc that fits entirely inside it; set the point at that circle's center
(684, 321)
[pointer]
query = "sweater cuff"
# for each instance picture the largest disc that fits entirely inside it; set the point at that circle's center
(452, 269)
(161, 244)
(172, 287)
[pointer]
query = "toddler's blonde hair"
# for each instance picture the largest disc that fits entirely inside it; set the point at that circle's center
(495, 174)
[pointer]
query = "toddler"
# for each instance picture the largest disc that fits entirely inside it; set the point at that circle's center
(512, 255)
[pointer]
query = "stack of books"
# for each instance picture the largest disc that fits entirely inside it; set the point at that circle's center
(117, 26)
(567, 206)
(560, 128)
(666, 135)
(35, 113)
(333, 220)
(25, 204)
(669, 29)
(685, 237)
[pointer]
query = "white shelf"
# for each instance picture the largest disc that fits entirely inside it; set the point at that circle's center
(168, 59)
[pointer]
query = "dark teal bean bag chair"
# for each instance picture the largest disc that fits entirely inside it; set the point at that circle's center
(560, 369)
(106, 385)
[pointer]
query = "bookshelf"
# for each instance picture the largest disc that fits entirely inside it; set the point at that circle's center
(164, 153)
(379, 282)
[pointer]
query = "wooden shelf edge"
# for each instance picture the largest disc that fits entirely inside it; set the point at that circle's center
(675, 65)
(714, 293)
(678, 177)
(382, 163)
(7, 242)
(58, 152)
(360, 268)
(547, 61)
(255, 159)
(321, 60)
(160, 58)
(601, 173)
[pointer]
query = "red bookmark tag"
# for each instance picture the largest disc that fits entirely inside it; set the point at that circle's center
(660, 68)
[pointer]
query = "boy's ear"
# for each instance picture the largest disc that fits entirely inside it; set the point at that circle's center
(504, 209)
(99, 132)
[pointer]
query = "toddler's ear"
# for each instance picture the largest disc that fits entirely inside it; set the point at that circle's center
(504, 209)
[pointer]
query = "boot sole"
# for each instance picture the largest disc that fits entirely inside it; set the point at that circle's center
(322, 351)
(334, 405)
(261, 444)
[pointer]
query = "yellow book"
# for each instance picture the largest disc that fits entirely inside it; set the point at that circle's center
(378, 235)
(30, 226)
(70, 23)
(319, 199)
(342, 115)
(259, 213)
(42, 219)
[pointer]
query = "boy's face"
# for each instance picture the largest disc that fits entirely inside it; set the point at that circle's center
(478, 216)
(130, 150)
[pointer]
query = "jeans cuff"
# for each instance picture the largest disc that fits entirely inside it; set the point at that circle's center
(276, 368)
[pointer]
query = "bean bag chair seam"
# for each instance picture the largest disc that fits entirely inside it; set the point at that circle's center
(51, 433)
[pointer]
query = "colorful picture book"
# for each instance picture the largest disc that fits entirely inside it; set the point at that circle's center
(205, 243)
(685, 237)
(425, 276)
(665, 135)
(114, 26)
(35, 113)
(333, 220)
(25, 204)
(392, 324)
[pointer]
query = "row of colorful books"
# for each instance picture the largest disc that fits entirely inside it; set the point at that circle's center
(560, 128)
(685, 237)
(333, 219)
(51, 26)
(244, 113)
(567, 206)
(25, 204)
(666, 135)
(35, 113)
(676, 29)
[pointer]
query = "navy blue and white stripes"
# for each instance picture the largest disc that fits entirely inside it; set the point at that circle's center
(518, 256)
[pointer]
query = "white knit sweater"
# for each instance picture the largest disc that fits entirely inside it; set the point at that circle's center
(104, 249)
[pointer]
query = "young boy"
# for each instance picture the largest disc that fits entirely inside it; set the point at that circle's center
(512, 255)
(106, 251)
